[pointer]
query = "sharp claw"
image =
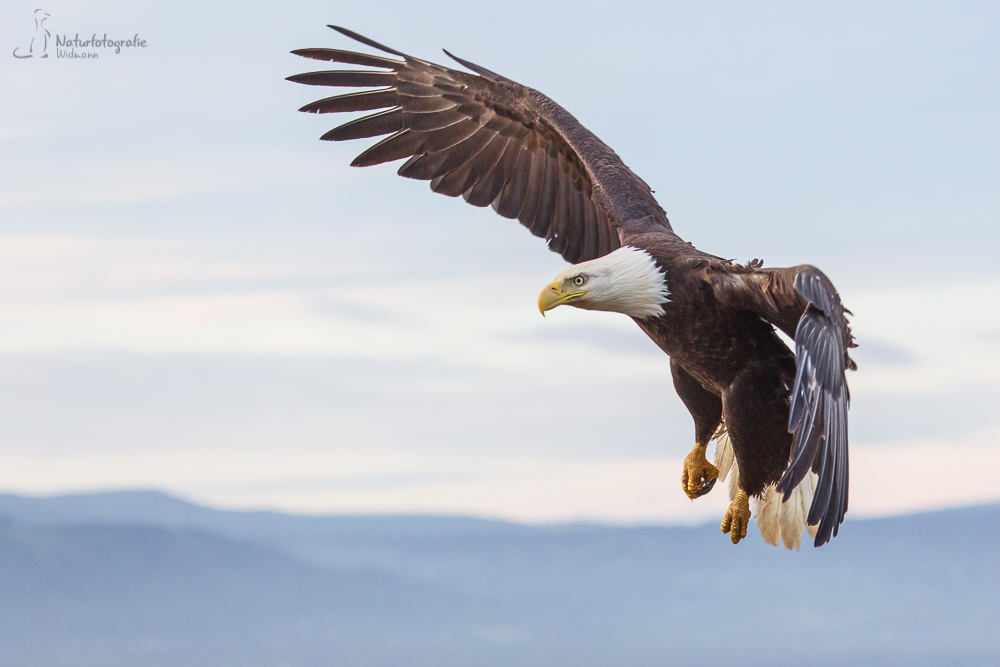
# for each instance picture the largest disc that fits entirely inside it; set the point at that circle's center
(737, 518)
(698, 476)
(699, 489)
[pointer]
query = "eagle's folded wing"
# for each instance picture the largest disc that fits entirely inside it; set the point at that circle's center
(802, 302)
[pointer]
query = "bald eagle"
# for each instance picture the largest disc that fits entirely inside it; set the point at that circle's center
(779, 418)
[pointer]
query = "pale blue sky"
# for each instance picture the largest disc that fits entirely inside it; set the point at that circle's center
(197, 294)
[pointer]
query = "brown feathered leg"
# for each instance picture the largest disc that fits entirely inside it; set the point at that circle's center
(699, 475)
(756, 414)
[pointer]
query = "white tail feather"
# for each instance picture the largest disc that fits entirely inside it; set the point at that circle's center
(777, 521)
(792, 520)
(785, 521)
(724, 457)
(734, 482)
(807, 498)
(725, 460)
(769, 516)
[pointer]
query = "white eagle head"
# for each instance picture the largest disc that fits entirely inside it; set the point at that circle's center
(627, 281)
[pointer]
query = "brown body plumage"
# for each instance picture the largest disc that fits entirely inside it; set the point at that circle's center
(498, 143)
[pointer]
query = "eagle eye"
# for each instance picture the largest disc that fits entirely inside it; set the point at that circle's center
(579, 280)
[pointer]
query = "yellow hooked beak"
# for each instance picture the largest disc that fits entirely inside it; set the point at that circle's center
(553, 296)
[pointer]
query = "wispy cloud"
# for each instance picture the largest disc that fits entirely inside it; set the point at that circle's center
(80, 179)
(532, 489)
(9, 132)
(939, 330)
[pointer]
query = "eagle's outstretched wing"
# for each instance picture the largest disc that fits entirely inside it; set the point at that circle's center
(491, 140)
(802, 302)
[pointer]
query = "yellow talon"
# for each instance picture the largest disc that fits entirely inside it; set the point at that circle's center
(699, 475)
(737, 517)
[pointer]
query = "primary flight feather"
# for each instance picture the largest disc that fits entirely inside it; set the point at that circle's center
(780, 418)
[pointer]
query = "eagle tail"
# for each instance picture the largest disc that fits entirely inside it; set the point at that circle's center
(784, 521)
(778, 521)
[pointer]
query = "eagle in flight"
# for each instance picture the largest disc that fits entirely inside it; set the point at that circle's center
(779, 418)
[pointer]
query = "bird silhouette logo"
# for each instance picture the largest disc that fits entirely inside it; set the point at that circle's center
(39, 46)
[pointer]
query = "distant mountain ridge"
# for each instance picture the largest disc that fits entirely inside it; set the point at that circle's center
(156, 508)
(143, 578)
(149, 507)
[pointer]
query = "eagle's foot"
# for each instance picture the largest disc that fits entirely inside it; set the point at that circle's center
(737, 517)
(699, 475)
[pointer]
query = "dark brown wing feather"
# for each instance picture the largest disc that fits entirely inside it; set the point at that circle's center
(802, 302)
(491, 140)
